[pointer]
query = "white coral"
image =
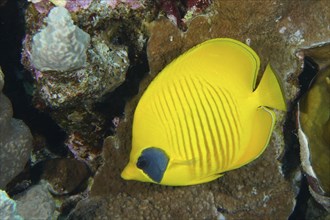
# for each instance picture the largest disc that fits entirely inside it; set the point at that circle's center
(34, 1)
(61, 45)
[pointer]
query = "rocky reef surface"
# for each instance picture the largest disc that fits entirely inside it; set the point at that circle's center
(279, 31)
(89, 66)
(15, 141)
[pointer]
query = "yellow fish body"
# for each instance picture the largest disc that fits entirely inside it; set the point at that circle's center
(202, 116)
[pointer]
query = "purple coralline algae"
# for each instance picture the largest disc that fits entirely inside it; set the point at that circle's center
(198, 4)
(71, 5)
(134, 4)
(75, 5)
(179, 12)
(43, 6)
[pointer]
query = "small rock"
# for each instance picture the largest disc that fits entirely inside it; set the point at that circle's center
(86, 209)
(35, 203)
(65, 176)
(8, 207)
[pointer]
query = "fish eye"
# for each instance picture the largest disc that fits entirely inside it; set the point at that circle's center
(142, 162)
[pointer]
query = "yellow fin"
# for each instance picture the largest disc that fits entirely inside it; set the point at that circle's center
(264, 122)
(270, 91)
(221, 61)
(205, 179)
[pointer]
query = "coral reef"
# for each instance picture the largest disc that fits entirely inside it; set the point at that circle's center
(77, 76)
(15, 141)
(257, 191)
(60, 46)
(281, 32)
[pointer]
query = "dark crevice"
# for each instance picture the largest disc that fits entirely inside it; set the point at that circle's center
(113, 104)
(291, 160)
(18, 81)
(306, 78)
(299, 211)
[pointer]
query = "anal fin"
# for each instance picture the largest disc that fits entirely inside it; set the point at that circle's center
(264, 122)
(205, 179)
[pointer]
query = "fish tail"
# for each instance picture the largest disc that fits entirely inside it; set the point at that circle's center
(270, 92)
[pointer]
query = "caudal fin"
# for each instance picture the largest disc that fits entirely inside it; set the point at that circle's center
(270, 91)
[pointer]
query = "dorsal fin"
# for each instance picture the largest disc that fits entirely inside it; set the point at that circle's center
(222, 61)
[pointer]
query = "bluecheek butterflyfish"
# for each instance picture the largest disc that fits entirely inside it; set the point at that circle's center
(203, 115)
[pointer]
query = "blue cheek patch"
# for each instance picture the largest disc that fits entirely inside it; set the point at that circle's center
(153, 161)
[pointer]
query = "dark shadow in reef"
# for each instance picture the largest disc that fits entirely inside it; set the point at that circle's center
(18, 81)
(299, 211)
(291, 160)
(113, 104)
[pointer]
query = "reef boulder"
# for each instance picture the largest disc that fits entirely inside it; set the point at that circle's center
(35, 203)
(77, 57)
(15, 141)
